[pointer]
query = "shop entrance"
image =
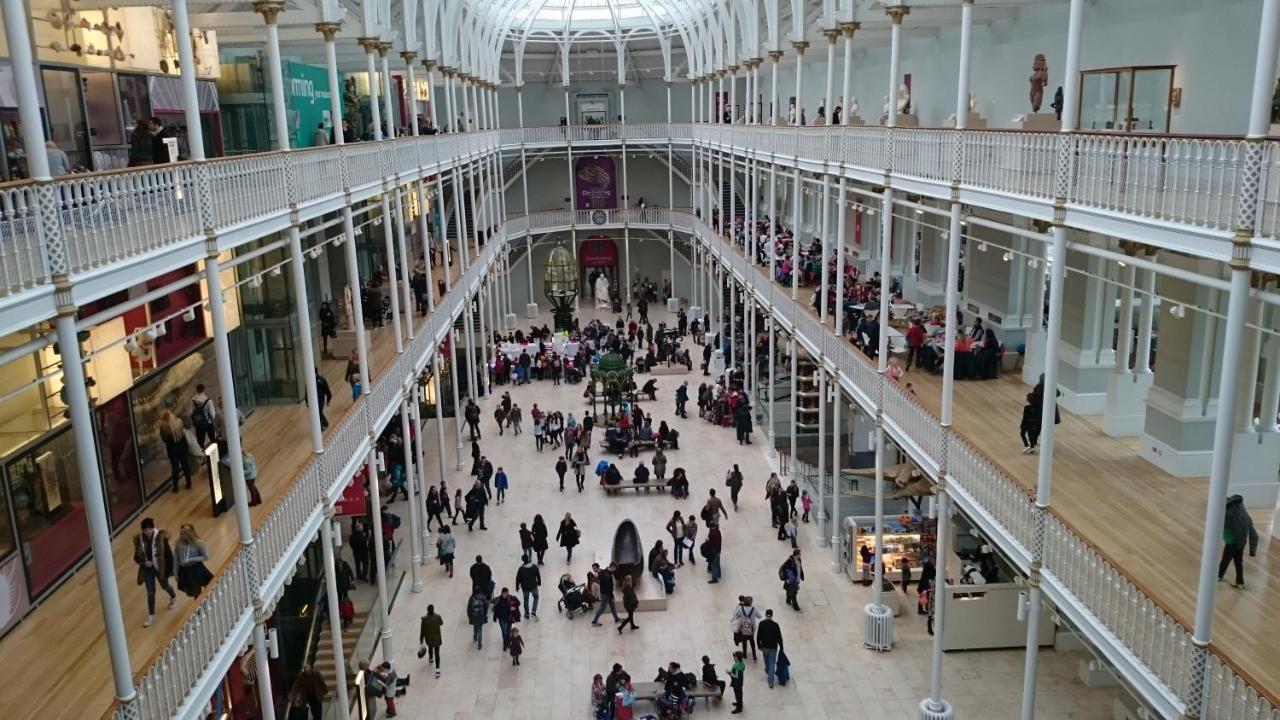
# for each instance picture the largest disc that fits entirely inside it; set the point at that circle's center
(270, 356)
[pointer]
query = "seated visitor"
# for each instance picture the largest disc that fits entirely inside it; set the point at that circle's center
(612, 476)
(642, 474)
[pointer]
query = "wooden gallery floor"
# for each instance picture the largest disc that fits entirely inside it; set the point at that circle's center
(1149, 522)
(63, 642)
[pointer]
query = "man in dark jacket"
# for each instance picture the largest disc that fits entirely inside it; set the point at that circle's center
(476, 500)
(1237, 528)
(482, 576)
(562, 467)
(769, 638)
(792, 573)
(159, 151)
(154, 556)
(506, 610)
(605, 578)
(528, 580)
(324, 396)
(682, 397)
(486, 474)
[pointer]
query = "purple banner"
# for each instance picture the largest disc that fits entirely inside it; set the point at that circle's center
(595, 184)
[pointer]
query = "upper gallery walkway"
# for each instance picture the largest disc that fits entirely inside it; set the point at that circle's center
(1180, 193)
(1146, 524)
(63, 640)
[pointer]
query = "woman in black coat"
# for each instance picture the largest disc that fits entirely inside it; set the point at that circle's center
(539, 537)
(568, 536)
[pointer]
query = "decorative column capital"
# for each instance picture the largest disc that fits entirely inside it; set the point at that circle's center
(775, 55)
(448, 71)
(849, 28)
(408, 56)
(831, 34)
(732, 70)
(1130, 247)
(429, 64)
(622, 86)
(269, 10)
(370, 44)
(329, 30)
(383, 48)
(897, 12)
(800, 46)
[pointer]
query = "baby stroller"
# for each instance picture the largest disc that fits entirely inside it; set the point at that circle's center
(674, 705)
(573, 598)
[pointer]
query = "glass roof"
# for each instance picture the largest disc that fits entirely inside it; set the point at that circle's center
(635, 18)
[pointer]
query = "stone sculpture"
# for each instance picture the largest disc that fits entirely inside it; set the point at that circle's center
(602, 291)
(1039, 78)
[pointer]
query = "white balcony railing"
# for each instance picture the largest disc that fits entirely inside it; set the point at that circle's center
(102, 218)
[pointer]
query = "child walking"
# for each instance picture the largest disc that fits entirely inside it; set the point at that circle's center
(516, 645)
(806, 502)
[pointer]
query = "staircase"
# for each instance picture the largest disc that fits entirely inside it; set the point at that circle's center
(807, 396)
(451, 221)
(738, 208)
(324, 662)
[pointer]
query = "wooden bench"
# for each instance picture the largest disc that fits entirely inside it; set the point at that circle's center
(651, 691)
(661, 487)
(635, 446)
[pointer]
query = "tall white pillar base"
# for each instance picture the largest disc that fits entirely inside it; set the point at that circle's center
(1252, 453)
(1126, 408)
(1033, 359)
(673, 304)
(877, 627)
(531, 310)
(509, 320)
(941, 710)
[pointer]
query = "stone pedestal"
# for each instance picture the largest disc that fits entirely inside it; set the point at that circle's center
(1040, 122)
(531, 311)
(1126, 406)
(909, 121)
(1254, 459)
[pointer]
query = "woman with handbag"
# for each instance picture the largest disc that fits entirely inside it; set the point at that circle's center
(191, 553)
(176, 446)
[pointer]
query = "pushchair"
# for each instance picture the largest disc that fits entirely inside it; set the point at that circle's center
(573, 598)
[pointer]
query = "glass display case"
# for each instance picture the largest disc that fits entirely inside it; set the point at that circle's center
(1126, 99)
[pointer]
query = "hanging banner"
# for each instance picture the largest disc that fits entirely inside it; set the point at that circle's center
(595, 186)
(353, 501)
(598, 252)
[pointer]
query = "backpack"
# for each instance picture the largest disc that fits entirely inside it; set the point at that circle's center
(477, 608)
(199, 417)
(782, 572)
(393, 520)
(705, 549)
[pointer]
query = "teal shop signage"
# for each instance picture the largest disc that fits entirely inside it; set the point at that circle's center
(307, 90)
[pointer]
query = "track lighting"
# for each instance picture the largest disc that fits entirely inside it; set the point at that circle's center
(1006, 256)
(160, 329)
(189, 315)
(337, 241)
(1178, 311)
(275, 271)
(982, 247)
(131, 345)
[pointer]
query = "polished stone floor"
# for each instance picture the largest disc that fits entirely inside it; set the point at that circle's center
(834, 676)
